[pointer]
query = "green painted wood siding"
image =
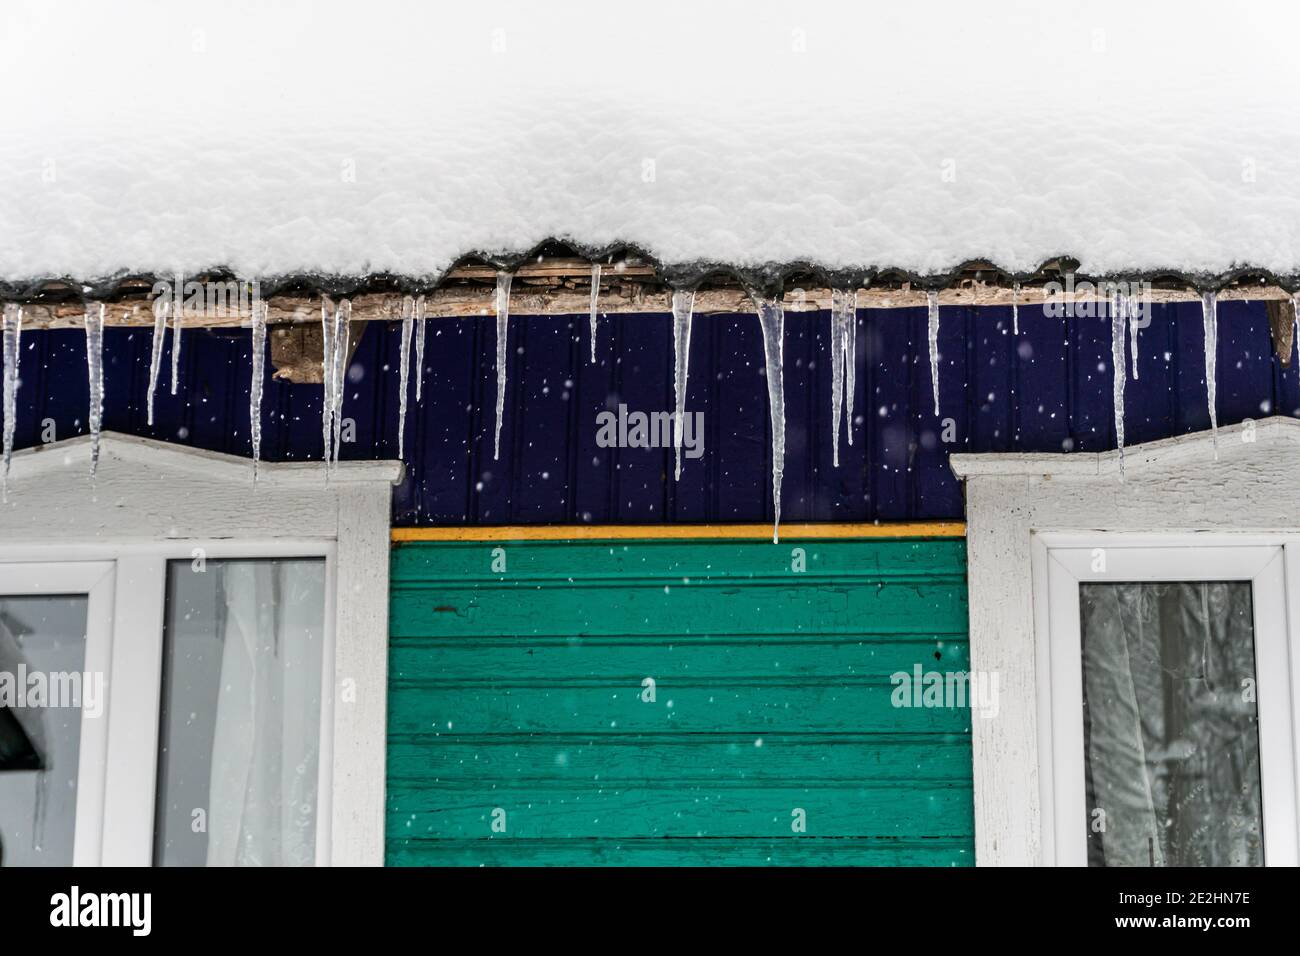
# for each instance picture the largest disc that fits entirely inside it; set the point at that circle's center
(521, 692)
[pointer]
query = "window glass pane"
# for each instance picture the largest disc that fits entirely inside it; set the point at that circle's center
(240, 724)
(42, 691)
(1171, 736)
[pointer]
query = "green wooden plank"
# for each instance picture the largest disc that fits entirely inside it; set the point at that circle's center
(789, 851)
(553, 760)
(832, 706)
(632, 560)
(883, 809)
(524, 691)
(577, 609)
(431, 662)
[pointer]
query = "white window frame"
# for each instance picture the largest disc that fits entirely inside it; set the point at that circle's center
(152, 503)
(1234, 491)
(96, 580)
(1066, 561)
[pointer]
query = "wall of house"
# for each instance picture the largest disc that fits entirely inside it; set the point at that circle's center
(520, 690)
(1047, 389)
(522, 729)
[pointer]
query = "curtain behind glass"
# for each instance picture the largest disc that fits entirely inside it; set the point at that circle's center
(241, 715)
(1171, 739)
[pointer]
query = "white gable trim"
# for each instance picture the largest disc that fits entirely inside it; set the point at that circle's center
(57, 456)
(151, 501)
(1196, 447)
(1174, 493)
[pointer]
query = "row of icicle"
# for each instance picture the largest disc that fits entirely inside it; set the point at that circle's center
(1124, 320)
(336, 330)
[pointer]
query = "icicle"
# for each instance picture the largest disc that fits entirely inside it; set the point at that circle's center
(327, 378)
(850, 358)
(1131, 308)
(683, 305)
(13, 327)
(932, 301)
(1015, 308)
(841, 315)
(419, 346)
(1295, 327)
(838, 335)
(176, 345)
(255, 389)
(1210, 319)
(771, 316)
(595, 298)
(503, 324)
(95, 372)
(161, 306)
(39, 811)
(408, 323)
(1119, 374)
(342, 346)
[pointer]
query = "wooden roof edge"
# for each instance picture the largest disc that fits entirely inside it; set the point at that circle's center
(629, 283)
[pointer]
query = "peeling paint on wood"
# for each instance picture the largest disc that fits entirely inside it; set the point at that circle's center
(1281, 321)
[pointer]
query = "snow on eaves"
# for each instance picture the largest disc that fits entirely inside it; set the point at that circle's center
(858, 178)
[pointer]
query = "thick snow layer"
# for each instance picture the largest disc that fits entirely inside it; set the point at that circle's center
(385, 137)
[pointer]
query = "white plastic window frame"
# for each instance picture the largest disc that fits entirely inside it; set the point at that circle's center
(153, 502)
(127, 589)
(96, 580)
(1064, 561)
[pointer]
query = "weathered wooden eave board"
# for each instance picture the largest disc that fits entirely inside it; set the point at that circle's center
(562, 286)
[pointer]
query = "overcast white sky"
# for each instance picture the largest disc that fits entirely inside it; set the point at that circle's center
(65, 62)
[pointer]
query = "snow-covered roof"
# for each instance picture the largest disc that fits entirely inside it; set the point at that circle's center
(337, 139)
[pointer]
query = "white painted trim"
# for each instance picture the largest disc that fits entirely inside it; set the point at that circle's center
(75, 452)
(134, 695)
(1194, 447)
(360, 687)
(1290, 668)
(1175, 494)
(152, 502)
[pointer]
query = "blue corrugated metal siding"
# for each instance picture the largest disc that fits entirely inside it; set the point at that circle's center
(1046, 390)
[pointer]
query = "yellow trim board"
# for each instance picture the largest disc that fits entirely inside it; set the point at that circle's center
(607, 532)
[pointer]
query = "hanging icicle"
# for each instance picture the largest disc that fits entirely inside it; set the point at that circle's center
(95, 372)
(419, 347)
(342, 348)
(843, 317)
(255, 389)
(1131, 309)
(178, 311)
(13, 328)
(932, 302)
(161, 308)
(850, 361)
(408, 328)
(1119, 374)
(1015, 308)
(595, 299)
(503, 324)
(838, 335)
(771, 316)
(683, 305)
(1295, 327)
(1210, 319)
(327, 324)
